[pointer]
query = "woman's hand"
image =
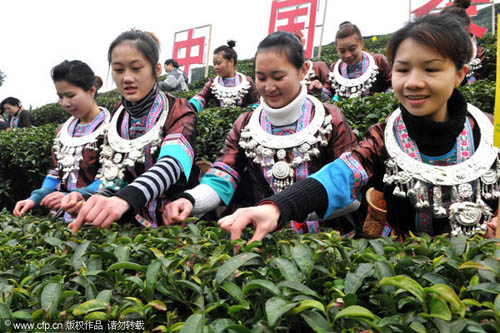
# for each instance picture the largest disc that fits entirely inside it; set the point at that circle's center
(22, 207)
(315, 87)
(52, 200)
(72, 202)
(492, 228)
(100, 212)
(264, 218)
(177, 211)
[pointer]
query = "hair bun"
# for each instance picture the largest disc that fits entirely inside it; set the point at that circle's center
(231, 43)
(345, 23)
(462, 3)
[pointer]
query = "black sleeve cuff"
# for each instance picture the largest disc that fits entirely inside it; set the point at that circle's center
(134, 197)
(297, 201)
(183, 195)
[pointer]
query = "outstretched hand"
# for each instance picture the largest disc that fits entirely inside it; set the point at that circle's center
(100, 211)
(22, 207)
(492, 228)
(53, 200)
(72, 202)
(176, 211)
(264, 219)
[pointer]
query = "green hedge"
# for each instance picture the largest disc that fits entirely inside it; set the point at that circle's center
(25, 157)
(189, 279)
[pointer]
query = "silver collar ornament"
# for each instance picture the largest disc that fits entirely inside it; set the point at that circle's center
(269, 150)
(475, 62)
(467, 182)
(230, 95)
(118, 153)
(68, 150)
(351, 88)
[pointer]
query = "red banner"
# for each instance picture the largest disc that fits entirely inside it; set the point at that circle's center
(189, 44)
(472, 11)
(291, 11)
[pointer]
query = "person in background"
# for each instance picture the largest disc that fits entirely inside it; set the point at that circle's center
(75, 153)
(433, 157)
(18, 116)
(3, 123)
(357, 73)
(288, 137)
(229, 88)
(478, 54)
(176, 79)
(147, 155)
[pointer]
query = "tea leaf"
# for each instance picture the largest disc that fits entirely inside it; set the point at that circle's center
(194, 324)
(257, 284)
(303, 257)
(233, 264)
(275, 308)
(90, 306)
(287, 268)
(405, 283)
(50, 298)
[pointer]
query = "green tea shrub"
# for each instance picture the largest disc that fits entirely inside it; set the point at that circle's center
(189, 279)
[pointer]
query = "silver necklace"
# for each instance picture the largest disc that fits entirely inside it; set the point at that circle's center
(68, 149)
(351, 88)
(230, 95)
(264, 148)
(118, 153)
(310, 73)
(468, 182)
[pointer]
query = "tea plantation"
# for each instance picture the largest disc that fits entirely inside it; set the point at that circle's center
(189, 279)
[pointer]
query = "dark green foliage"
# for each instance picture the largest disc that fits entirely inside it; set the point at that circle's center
(213, 126)
(2, 78)
(480, 94)
(25, 158)
(189, 277)
(49, 113)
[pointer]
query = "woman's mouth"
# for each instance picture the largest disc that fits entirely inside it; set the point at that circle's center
(416, 99)
(130, 90)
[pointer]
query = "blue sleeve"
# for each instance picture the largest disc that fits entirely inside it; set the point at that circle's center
(196, 103)
(342, 180)
(223, 179)
(90, 189)
(178, 147)
(49, 185)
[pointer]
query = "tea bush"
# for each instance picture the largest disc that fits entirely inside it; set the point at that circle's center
(188, 278)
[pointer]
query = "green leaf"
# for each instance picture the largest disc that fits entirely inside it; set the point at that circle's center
(417, 327)
(55, 242)
(439, 309)
(275, 307)
(105, 295)
(474, 265)
(261, 284)
(316, 321)
(354, 280)
(122, 253)
(458, 244)
(303, 258)
(497, 305)
(232, 289)
(78, 255)
(233, 264)
(50, 298)
(159, 305)
(308, 304)
(450, 296)
(303, 289)
(90, 306)
(405, 283)
(287, 268)
(193, 286)
(194, 324)
(125, 265)
(152, 273)
(377, 246)
(5, 311)
(355, 312)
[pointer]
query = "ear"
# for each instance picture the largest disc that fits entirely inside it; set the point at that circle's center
(93, 91)
(304, 68)
(158, 69)
(461, 75)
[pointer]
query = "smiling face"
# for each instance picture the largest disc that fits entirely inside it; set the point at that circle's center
(76, 101)
(423, 80)
(132, 72)
(350, 49)
(277, 79)
(223, 67)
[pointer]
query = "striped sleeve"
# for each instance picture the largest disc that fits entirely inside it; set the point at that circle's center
(151, 184)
